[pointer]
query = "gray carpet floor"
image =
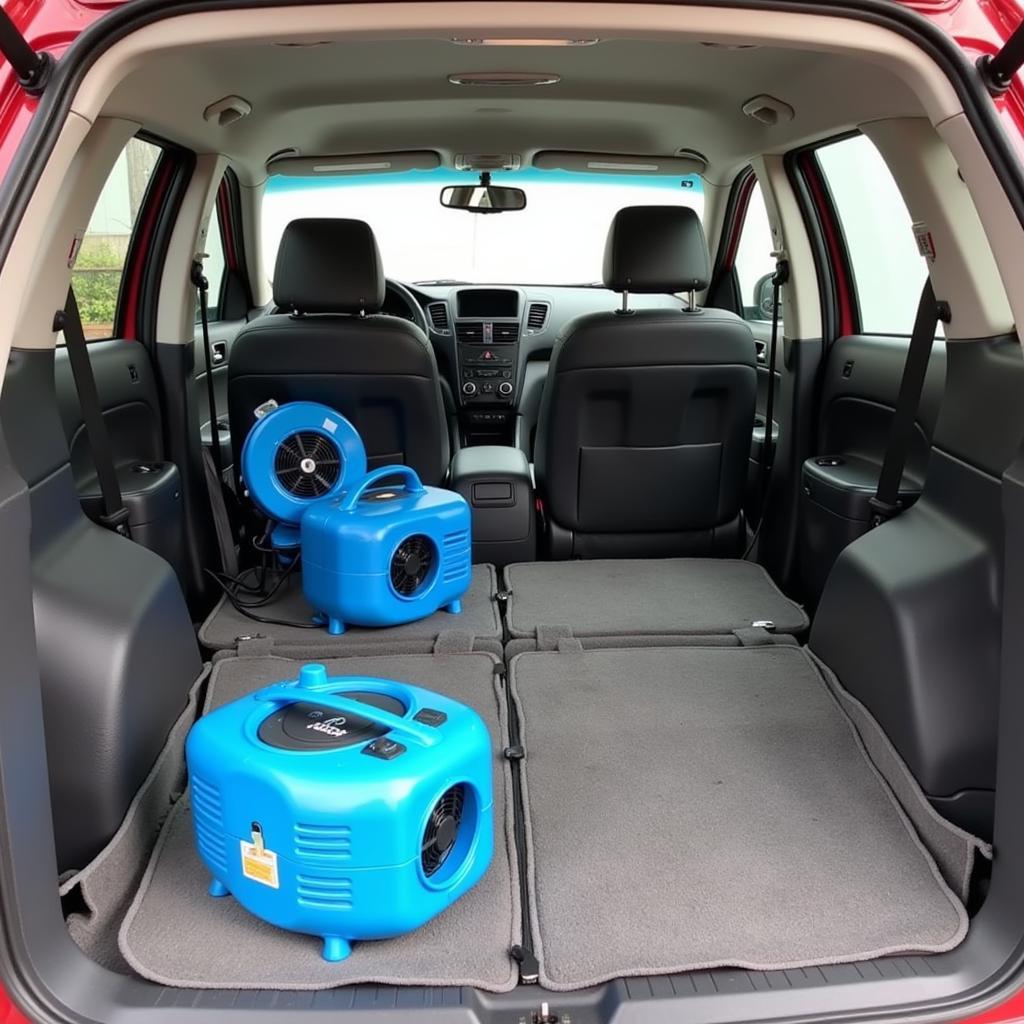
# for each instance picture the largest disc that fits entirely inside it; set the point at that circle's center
(645, 597)
(697, 807)
(479, 618)
(175, 934)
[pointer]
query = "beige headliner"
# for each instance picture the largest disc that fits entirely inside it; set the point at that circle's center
(626, 95)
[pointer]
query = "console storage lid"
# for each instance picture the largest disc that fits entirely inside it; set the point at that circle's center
(498, 484)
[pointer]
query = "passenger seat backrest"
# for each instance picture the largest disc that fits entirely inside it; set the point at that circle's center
(336, 348)
(646, 419)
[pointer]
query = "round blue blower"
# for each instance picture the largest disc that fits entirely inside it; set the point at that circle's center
(296, 454)
(347, 807)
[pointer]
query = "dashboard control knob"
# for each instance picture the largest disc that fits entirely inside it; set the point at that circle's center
(469, 389)
(505, 388)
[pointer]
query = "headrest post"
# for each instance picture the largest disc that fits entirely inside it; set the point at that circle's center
(692, 300)
(625, 301)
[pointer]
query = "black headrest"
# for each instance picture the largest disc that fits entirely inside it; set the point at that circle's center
(656, 249)
(328, 266)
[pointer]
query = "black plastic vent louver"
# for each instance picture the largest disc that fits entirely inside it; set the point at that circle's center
(537, 316)
(470, 334)
(411, 564)
(442, 829)
(506, 333)
(439, 317)
(307, 464)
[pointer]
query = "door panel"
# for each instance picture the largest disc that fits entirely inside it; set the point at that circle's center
(860, 385)
(222, 337)
(762, 340)
(131, 408)
(150, 484)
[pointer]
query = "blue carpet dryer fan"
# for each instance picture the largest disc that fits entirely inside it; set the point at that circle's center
(349, 808)
(381, 556)
(297, 454)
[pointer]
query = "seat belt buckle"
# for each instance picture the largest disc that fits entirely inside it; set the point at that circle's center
(883, 511)
(117, 521)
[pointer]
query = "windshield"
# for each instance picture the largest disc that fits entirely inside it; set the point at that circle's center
(558, 239)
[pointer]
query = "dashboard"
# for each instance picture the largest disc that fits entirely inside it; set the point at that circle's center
(493, 343)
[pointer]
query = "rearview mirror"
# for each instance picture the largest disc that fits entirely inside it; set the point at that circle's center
(483, 198)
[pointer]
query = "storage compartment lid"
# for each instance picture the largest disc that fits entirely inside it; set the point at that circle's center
(150, 491)
(845, 484)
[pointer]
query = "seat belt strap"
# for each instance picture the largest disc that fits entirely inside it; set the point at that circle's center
(779, 278)
(203, 287)
(69, 321)
(213, 467)
(885, 504)
(221, 518)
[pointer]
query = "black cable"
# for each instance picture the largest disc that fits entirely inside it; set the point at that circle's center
(229, 584)
(245, 608)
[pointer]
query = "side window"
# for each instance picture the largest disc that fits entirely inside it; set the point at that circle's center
(754, 261)
(214, 266)
(99, 263)
(888, 269)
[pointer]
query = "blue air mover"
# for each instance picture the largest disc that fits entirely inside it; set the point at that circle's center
(296, 454)
(381, 556)
(347, 808)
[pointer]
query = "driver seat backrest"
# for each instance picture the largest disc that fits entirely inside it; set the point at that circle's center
(645, 424)
(336, 348)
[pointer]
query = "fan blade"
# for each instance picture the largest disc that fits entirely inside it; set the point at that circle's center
(288, 447)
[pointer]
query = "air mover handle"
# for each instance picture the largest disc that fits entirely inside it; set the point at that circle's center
(313, 679)
(412, 484)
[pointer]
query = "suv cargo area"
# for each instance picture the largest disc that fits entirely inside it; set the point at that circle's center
(732, 390)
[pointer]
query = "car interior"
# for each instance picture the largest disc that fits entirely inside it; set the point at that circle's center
(733, 388)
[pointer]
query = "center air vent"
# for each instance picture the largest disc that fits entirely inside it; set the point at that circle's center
(537, 317)
(470, 334)
(439, 317)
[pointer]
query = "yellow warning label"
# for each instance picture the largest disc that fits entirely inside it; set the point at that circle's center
(259, 864)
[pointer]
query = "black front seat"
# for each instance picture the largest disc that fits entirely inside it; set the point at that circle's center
(334, 347)
(645, 423)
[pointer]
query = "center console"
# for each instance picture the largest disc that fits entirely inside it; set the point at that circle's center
(498, 484)
(487, 327)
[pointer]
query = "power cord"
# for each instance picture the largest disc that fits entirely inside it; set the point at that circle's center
(230, 585)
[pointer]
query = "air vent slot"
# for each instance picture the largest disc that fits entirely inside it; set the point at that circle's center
(323, 841)
(470, 334)
(537, 317)
(505, 334)
(439, 317)
(324, 893)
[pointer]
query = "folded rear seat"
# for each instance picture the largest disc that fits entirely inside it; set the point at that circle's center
(476, 628)
(643, 602)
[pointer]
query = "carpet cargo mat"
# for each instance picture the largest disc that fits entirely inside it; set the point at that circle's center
(176, 934)
(690, 808)
(642, 599)
(478, 624)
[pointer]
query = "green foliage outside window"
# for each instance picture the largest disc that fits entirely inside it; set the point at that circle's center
(96, 280)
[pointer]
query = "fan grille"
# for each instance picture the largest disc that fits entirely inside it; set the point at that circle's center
(411, 564)
(442, 829)
(307, 464)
